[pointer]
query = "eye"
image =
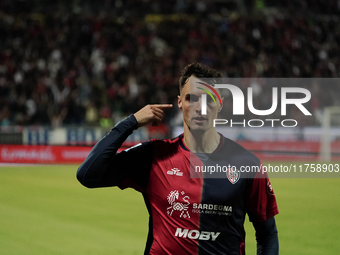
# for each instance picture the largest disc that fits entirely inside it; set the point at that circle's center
(192, 98)
(210, 100)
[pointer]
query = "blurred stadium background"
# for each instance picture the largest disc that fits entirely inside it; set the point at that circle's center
(69, 70)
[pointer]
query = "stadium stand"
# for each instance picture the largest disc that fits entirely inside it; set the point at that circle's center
(81, 62)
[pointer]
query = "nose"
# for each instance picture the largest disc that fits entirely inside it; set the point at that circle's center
(201, 105)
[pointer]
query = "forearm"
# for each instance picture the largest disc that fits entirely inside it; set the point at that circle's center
(267, 237)
(94, 171)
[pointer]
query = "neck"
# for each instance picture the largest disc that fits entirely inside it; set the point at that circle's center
(201, 142)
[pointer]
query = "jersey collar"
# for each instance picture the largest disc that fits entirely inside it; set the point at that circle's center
(184, 147)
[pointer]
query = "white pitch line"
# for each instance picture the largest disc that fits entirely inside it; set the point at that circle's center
(19, 164)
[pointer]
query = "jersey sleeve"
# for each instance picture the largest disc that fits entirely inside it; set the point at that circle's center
(135, 162)
(104, 167)
(261, 201)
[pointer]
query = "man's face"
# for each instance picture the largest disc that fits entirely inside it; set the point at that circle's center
(190, 102)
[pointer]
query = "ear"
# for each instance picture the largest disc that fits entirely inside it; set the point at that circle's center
(179, 101)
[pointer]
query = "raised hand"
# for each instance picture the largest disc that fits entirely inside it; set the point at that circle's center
(152, 113)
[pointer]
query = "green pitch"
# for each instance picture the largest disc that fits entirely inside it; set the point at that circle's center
(44, 210)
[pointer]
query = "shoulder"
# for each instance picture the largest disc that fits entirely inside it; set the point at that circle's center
(154, 145)
(166, 143)
(166, 146)
(239, 153)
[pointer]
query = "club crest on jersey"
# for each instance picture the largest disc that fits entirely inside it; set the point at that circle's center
(233, 175)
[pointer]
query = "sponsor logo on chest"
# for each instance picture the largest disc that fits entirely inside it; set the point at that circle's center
(196, 234)
(179, 205)
(213, 207)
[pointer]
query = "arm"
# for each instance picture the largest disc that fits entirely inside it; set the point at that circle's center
(266, 237)
(103, 167)
(262, 208)
(95, 170)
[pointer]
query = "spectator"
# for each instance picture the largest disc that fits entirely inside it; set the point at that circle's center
(61, 57)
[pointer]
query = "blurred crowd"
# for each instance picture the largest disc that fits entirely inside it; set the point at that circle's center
(94, 62)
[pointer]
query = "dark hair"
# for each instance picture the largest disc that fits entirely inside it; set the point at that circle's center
(199, 71)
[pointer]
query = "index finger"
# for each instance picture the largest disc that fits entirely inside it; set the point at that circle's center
(163, 106)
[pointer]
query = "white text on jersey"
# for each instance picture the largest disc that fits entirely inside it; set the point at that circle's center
(195, 234)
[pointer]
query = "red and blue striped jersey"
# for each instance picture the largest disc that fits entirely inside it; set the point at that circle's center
(190, 212)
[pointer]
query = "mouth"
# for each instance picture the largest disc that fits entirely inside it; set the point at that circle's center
(199, 119)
